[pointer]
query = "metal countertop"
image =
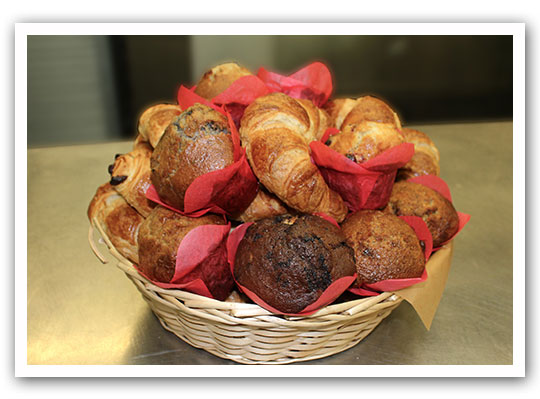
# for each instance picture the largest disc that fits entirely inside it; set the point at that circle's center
(83, 312)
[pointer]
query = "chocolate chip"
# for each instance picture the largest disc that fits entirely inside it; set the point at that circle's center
(111, 168)
(117, 155)
(115, 180)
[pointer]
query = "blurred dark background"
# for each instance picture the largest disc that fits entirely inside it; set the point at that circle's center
(84, 89)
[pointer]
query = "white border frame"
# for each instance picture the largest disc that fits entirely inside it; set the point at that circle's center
(22, 369)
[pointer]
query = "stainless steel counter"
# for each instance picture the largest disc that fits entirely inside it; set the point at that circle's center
(81, 311)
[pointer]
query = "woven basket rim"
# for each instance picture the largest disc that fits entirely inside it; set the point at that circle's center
(238, 309)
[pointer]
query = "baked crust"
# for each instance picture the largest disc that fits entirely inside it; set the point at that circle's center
(412, 199)
(155, 119)
(219, 78)
(288, 261)
(368, 127)
(276, 131)
(385, 247)
(425, 160)
(130, 177)
(118, 219)
(195, 143)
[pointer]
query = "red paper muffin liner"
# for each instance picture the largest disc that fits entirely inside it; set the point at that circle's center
(201, 263)
(313, 82)
(227, 191)
(423, 234)
(361, 186)
(439, 185)
(328, 296)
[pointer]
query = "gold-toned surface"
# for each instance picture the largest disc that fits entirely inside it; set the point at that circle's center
(81, 311)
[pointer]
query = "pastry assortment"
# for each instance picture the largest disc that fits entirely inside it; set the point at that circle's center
(273, 226)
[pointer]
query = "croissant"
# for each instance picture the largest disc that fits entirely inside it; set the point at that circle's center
(213, 83)
(130, 177)
(155, 119)
(368, 127)
(276, 131)
(264, 205)
(425, 160)
(118, 219)
(219, 78)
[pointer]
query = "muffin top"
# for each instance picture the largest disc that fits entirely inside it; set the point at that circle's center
(413, 199)
(385, 247)
(288, 261)
(159, 237)
(195, 143)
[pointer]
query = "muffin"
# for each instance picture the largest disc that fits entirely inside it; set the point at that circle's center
(385, 247)
(195, 143)
(289, 261)
(413, 199)
(159, 238)
(219, 78)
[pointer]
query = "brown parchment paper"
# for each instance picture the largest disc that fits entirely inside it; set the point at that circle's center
(425, 296)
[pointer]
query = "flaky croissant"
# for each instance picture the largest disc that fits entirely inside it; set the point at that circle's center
(211, 84)
(155, 119)
(118, 219)
(425, 160)
(368, 127)
(130, 177)
(276, 131)
(264, 205)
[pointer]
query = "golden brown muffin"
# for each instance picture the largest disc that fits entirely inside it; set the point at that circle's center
(368, 127)
(385, 247)
(425, 160)
(195, 143)
(159, 238)
(412, 199)
(155, 119)
(118, 219)
(219, 78)
(288, 261)
(130, 177)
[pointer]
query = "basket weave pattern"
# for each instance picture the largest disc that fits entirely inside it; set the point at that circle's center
(248, 334)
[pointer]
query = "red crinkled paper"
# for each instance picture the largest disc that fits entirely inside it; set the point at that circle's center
(201, 263)
(240, 94)
(313, 82)
(226, 191)
(439, 185)
(332, 292)
(423, 234)
(362, 186)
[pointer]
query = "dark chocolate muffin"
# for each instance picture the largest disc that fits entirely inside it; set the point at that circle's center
(195, 143)
(288, 261)
(159, 237)
(413, 199)
(385, 247)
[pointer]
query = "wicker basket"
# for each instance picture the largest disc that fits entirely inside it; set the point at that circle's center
(247, 333)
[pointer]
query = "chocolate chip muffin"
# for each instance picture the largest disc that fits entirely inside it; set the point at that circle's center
(288, 261)
(385, 247)
(413, 199)
(159, 237)
(195, 143)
